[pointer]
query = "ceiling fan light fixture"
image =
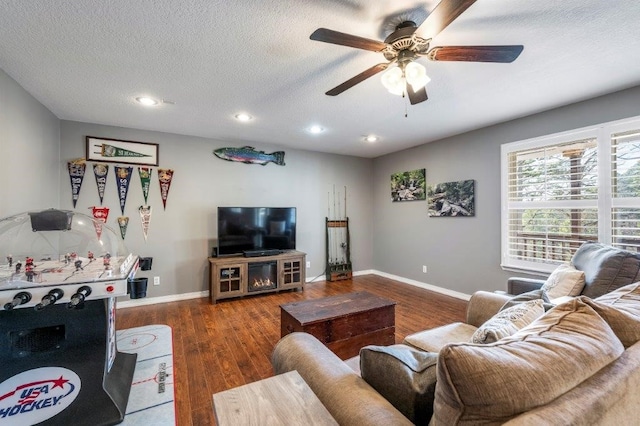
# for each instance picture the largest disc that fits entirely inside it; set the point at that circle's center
(416, 75)
(393, 80)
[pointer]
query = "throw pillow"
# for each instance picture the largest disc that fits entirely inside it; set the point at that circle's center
(565, 280)
(491, 384)
(403, 376)
(507, 322)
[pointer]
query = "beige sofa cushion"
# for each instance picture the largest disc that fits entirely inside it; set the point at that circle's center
(507, 322)
(495, 382)
(406, 377)
(621, 310)
(626, 298)
(434, 339)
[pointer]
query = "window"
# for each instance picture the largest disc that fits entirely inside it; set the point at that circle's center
(562, 190)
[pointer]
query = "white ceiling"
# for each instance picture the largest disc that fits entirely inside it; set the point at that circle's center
(86, 60)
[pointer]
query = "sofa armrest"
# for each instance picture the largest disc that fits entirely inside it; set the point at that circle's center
(483, 305)
(349, 399)
(518, 285)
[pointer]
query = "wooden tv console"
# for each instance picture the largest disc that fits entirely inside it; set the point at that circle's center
(237, 276)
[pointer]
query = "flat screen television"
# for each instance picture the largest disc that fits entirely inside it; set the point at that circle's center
(243, 229)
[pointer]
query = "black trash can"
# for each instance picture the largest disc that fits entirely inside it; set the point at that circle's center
(137, 287)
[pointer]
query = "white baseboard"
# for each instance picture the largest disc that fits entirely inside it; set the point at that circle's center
(426, 286)
(198, 294)
(161, 299)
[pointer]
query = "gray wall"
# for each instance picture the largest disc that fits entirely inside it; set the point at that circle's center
(181, 237)
(29, 151)
(463, 253)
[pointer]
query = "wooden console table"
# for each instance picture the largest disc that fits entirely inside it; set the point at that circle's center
(344, 323)
(230, 276)
(285, 399)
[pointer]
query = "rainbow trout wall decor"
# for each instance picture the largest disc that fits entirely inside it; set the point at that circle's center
(249, 155)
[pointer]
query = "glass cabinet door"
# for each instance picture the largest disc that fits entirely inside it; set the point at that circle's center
(291, 272)
(230, 279)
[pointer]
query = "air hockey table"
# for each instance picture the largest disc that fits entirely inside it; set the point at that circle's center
(60, 274)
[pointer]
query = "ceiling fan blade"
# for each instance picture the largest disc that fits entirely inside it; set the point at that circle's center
(335, 37)
(357, 79)
(475, 53)
(444, 13)
(416, 97)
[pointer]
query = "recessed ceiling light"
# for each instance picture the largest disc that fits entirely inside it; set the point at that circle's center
(147, 101)
(315, 130)
(371, 138)
(243, 117)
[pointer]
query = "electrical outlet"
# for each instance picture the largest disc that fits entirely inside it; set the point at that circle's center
(424, 269)
(156, 280)
(308, 265)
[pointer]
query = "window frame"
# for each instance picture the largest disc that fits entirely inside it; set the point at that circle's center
(603, 134)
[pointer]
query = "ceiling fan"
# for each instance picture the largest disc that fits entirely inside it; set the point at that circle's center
(409, 42)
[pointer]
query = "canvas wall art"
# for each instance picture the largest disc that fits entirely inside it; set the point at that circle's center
(409, 186)
(452, 199)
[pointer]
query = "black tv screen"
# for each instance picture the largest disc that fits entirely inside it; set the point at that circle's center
(243, 229)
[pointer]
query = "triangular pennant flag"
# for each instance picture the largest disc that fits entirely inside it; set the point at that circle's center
(76, 175)
(100, 171)
(123, 178)
(145, 181)
(165, 176)
(145, 217)
(107, 150)
(123, 222)
(100, 214)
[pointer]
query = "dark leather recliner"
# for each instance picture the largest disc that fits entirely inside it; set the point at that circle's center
(606, 268)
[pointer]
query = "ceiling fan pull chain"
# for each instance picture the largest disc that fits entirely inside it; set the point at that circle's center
(406, 114)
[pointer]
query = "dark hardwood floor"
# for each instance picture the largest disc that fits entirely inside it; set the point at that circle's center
(221, 346)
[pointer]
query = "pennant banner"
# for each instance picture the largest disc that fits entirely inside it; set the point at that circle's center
(145, 180)
(165, 176)
(76, 175)
(123, 178)
(123, 222)
(100, 214)
(100, 171)
(145, 217)
(114, 151)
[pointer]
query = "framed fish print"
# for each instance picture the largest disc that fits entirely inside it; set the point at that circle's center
(123, 152)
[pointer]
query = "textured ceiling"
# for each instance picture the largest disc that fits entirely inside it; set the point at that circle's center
(86, 60)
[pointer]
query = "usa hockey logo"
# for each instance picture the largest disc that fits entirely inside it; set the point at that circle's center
(36, 395)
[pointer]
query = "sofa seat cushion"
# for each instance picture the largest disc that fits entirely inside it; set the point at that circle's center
(565, 280)
(507, 322)
(406, 377)
(434, 339)
(605, 268)
(493, 383)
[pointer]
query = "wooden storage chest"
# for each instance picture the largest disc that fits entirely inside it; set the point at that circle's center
(344, 323)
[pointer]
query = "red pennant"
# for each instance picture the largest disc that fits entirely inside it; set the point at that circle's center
(100, 214)
(165, 176)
